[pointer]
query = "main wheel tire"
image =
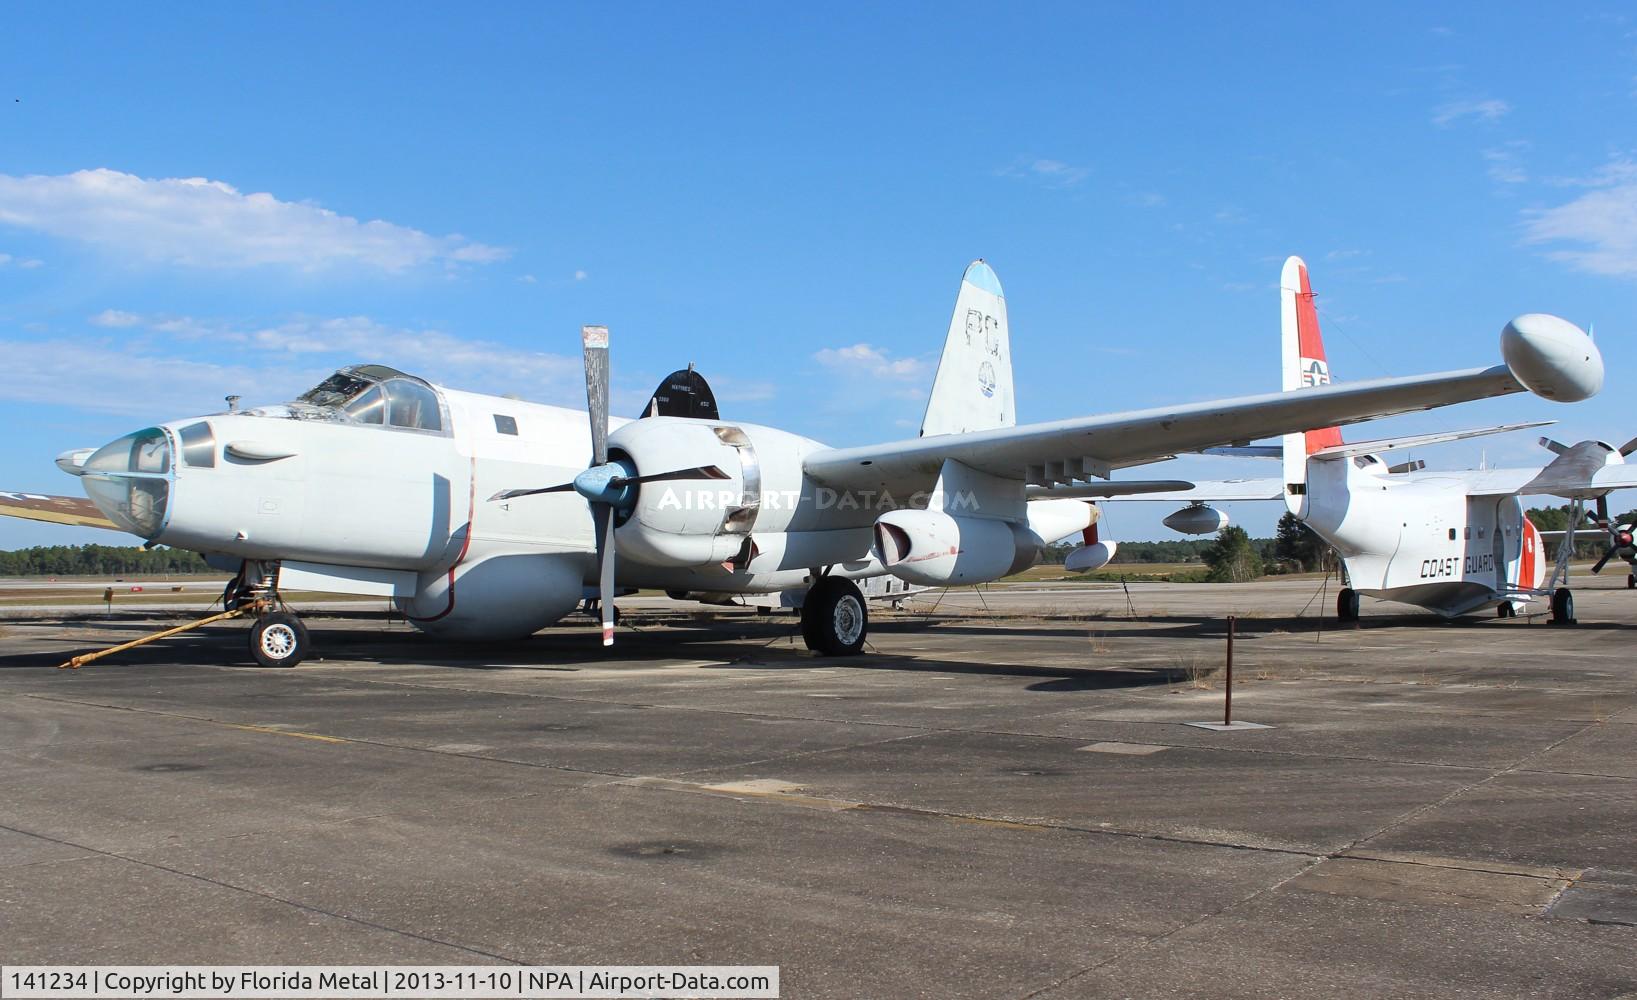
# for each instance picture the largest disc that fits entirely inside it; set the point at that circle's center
(1347, 605)
(835, 618)
(1631, 581)
(1505, 610)
(278, 640)
(1562, 606)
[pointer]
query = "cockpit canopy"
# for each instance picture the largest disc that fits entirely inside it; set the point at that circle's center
(374, 394)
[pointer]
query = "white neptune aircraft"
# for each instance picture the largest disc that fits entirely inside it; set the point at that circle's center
(488, 518)
(1449, 542)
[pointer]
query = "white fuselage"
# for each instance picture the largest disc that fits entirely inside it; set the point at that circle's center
(1422, 540)
(404, 512)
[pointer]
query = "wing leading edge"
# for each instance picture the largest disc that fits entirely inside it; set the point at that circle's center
(1065, 450)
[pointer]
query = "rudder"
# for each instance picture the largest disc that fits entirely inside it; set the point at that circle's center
(1304, 366)
(972, 390)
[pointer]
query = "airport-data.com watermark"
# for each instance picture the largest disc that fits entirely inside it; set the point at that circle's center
(409, 982)
(822, 498)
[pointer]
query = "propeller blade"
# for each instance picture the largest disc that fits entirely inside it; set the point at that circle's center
(595, 341)
(697, 472)
(1607, 555)
(602, 519)
(1555, 447)
(1627, 448)
(509, 494)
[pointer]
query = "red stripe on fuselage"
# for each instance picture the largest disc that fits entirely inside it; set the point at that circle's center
(465, 547)
(1528, 555)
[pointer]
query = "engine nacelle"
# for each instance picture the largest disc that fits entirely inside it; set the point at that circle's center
(1088, 558)
(699, 521)
(936, 549)
(1197, 519)
(499, 597)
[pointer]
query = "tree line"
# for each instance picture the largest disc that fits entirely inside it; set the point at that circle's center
(100, 560)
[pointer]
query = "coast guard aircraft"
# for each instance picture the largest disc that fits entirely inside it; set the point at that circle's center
(487, 518)
(1449, 542)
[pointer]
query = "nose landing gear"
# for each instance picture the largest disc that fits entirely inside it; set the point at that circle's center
(278, 639)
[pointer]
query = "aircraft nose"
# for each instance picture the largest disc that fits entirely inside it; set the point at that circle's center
(130, 480)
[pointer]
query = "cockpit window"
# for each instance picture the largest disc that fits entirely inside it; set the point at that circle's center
(374, 395)
(413, 405)
(368, 407)
(336, 389)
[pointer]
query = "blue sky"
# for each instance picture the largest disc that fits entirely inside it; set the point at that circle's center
(198, 200)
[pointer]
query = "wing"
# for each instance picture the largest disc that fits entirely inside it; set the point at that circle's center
(1065, 450)
(76, 511)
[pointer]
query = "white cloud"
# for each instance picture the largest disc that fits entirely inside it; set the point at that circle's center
(580, 275)
(1602, 221)
(1051, 173)
(27, 263)
(205, 223)
(1504, 167)
(134, 383)
(867, 360)
(265, 364)
(528, 279)
(1487, 110)
(115, 318)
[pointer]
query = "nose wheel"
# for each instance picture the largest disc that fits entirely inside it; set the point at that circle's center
(278, 639)
(834, 617)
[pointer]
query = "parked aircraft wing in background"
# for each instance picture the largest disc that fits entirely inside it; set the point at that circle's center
(75, 511)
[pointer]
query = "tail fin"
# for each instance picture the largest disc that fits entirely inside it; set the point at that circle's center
(973, 388)
(1304, 366)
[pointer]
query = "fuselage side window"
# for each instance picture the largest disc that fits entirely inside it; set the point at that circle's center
(505, 424)
(198, 446)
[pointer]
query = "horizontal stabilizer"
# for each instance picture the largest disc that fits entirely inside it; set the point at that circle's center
(1247, 451)
(1383, 445)
(1221, 491)
(1129, 487)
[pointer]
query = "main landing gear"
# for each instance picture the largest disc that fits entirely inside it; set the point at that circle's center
(834, 617)
(1563, 607)
(278, 638)
(1347, 605)
(1506, 609)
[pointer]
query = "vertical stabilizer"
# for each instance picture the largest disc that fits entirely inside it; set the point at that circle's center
(1304, 366)
(973, 388)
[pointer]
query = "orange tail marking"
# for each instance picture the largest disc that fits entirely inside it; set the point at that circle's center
(1315, 369)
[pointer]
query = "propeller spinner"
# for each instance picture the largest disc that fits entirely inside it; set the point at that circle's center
(609, 487)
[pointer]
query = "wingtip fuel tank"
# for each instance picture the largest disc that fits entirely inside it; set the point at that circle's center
(1552, 357)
